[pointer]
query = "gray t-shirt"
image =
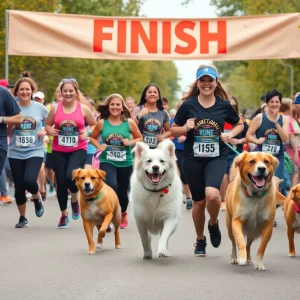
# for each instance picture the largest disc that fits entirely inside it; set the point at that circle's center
(151, 125)
(24, 141)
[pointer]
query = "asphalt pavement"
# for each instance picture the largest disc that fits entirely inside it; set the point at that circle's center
(42, 262)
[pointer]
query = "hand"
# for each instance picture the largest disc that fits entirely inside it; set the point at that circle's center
(226, 137)
(261, 140)
(53, 131)
(102, 147)
(181, 139)
(274, 114)
(126, 142)
(83, 134)
(160, 138)
(143, 112)
(190, 124)
(42, 133)
(235, 141)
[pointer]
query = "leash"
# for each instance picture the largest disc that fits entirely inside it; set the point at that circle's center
(232, 148)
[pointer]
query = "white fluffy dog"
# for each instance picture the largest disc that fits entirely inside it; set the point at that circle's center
(155, 194)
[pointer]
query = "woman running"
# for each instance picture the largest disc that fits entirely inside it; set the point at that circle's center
(201, 117)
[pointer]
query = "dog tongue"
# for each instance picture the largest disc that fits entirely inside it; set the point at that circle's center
(259, 180)
(155, 178)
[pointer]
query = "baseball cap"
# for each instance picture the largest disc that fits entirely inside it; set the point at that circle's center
(38, 94)
(297, 99)
(4, 82)
(207, 71)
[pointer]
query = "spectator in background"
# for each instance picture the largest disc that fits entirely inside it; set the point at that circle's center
(39, 97)
(129, 101)
(165, 103)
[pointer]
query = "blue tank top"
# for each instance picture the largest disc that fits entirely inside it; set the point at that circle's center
(273, 143)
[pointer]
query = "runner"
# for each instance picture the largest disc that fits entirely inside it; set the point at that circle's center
(115, 128)
(202, 116)
(69, 144)
(151, 118)
(26, 148)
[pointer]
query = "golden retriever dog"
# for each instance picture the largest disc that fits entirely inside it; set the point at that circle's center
(251, 205)
(99, 206)
(292, 217)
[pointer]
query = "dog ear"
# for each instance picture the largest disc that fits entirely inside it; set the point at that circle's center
(101, 173)
(274, 160)
(75, 174)
(238, 159)
(140, 148)
(169, 145)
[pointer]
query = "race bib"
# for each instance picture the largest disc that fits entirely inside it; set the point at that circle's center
(206, 146)
(68, 140)
(115, 153)
(272, 147)
(151, 141)
(25, 138)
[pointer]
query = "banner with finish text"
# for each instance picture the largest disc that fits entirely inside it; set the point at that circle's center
(228, 38)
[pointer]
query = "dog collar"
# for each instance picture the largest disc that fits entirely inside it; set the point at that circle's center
(254, 195)
(297, 209)
(164, 190)
(96, 198)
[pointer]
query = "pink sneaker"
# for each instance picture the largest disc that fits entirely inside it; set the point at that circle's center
(124, 220)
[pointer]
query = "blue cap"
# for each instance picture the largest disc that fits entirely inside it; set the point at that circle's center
(297, 99)
(207, 71)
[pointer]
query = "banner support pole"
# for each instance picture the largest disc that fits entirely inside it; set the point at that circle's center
(6, 45)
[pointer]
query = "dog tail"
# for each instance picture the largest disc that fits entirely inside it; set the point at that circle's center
(280, 199)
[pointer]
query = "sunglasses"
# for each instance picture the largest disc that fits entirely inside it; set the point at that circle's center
(68, 79)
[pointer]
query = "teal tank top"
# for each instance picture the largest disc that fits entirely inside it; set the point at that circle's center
(116, 153)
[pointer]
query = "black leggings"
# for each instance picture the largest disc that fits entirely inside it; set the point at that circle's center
(64, 163)
(179, 156)
(25, 173)
(118, 179)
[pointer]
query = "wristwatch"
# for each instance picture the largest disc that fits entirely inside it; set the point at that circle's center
(3, 120)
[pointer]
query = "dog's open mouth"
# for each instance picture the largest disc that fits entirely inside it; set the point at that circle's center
(155, 178)
(258, 181)
(88, 190)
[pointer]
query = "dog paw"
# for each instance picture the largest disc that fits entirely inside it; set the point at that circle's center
(99, 246)
(259, 266)
(249, 262)
(118, 246)
(147, 257)
(162, 251)
(292, 255)
(242, 261)
(234, 261)
(90, 252)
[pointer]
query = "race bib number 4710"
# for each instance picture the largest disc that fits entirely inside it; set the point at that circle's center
(68, 140)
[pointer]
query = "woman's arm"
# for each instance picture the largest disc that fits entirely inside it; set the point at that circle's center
(256, 122)
(284, 130)
(89, 117)
(50, 122)
(134, 130)
(166, 134)
(95, 134)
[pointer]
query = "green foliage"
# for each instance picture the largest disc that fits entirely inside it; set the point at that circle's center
(248, 80)
(96, 78)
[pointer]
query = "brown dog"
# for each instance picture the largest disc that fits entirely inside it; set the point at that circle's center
(99, 206)
(251, 205)
(292, 216)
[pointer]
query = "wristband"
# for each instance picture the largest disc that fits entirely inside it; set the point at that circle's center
(3, 120)
(89, 133)
(137, 117)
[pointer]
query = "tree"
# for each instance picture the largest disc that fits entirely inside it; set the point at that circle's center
(96, 78)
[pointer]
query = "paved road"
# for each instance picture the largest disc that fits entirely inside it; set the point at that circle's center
(42, 262)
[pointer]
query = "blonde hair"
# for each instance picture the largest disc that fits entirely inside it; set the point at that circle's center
(286, 104)
(103, 108)
(220, 91)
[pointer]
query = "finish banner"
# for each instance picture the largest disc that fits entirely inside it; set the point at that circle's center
(228, 38)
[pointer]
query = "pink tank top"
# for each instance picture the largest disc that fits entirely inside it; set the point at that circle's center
(69, 126)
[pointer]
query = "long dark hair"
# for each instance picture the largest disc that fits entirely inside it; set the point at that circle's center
(159, 103)
(104, 112)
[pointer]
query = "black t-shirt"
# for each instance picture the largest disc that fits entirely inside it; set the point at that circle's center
(204, 140)
(8, 108)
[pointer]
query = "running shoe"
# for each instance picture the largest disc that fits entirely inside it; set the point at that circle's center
(5, 200)
(189, 203)
(75, 210)
(39, 207)
(63, 222)
(215, 234)
(200, 246)
(22, 222)
(275, 223)
(124, 220)
(109, 228)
